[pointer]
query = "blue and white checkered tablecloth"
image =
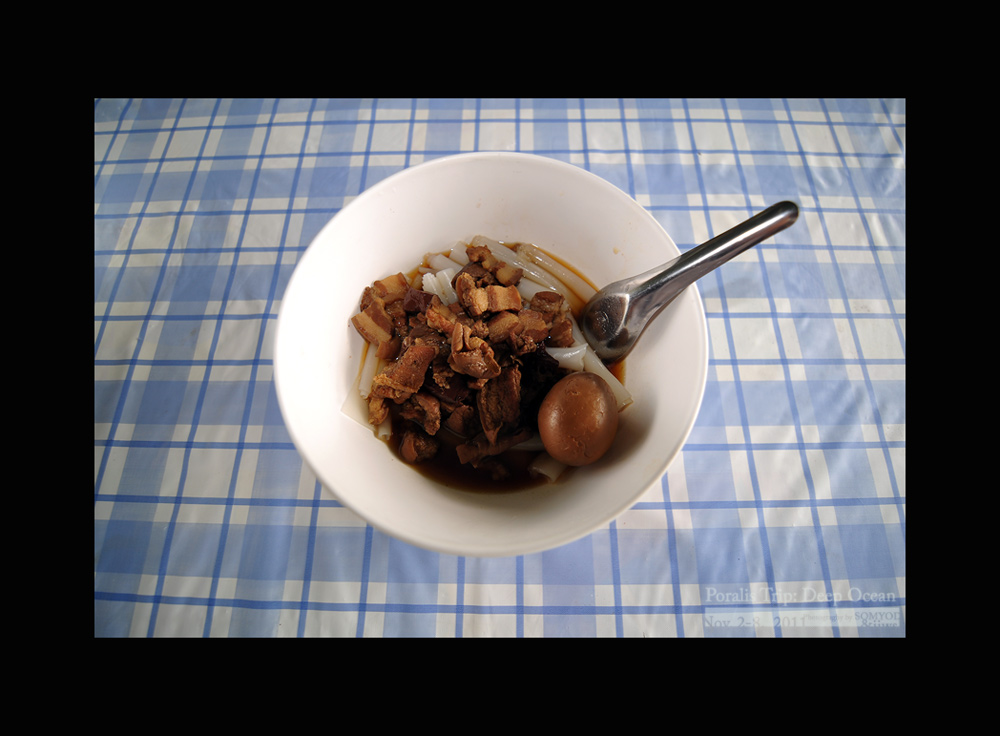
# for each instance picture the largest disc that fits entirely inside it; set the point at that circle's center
(784, 515)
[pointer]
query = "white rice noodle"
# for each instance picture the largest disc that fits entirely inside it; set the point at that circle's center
(369, 369)
(539, 257)
(531, 270)
(544, 464)
(356, 408)
(459, 254)
(532, 444)
(439, 262)
(444, 278)
(439, 283)
(430, 284)
(510, 256)
(356, 404)
(488, 242)
(570, 358)
(528, 288)
(578, 338)
(593, 364)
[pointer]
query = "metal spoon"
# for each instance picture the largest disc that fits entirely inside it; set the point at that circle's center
(616, 315)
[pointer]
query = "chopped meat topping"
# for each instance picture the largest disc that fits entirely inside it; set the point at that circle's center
(378, 411)
(505, 274)
(499, 402)
(474, 369)
(463, 421)
(417, 300)
(481, 447)
(472, 355)
(392, 288)
(478, 300)
(423, 409)
(416, 446)
(440, 317)
(404, 377)
(480, 276)
(553, 309)
(373, 321)
(561, 333)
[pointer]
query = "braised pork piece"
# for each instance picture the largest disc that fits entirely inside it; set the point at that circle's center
(462, 382)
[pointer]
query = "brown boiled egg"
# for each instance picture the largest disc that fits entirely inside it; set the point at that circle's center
(578, 419)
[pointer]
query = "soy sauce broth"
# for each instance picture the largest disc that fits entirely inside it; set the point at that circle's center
(444, 468)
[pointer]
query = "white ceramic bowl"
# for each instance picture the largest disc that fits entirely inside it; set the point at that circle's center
(566, 210)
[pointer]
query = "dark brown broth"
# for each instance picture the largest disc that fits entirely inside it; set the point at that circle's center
(444, 468)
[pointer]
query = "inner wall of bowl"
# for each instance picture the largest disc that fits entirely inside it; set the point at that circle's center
(579, 218)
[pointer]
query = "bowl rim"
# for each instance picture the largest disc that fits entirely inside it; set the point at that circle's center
(545, 542)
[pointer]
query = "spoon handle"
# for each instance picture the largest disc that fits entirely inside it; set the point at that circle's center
(659, 286)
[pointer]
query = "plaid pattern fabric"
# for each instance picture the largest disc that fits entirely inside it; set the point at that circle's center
(784, 515)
